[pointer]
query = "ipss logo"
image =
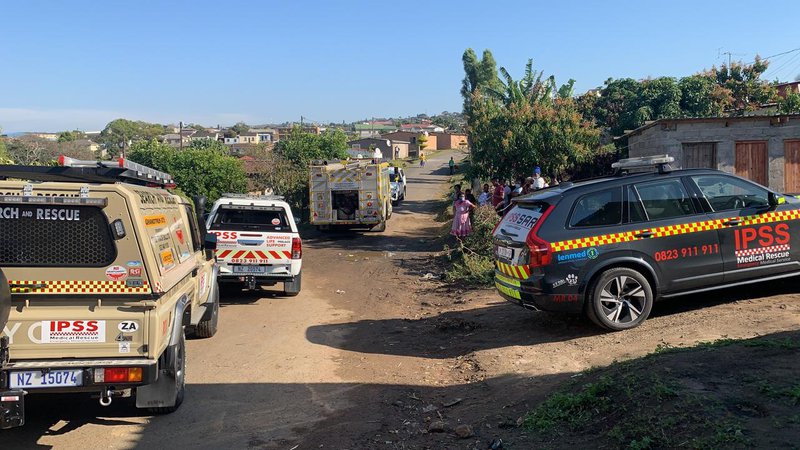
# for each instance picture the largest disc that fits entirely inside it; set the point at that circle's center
(592, 253)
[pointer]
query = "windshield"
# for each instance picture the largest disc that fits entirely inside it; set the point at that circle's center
(393, 177)
(62, 236)
(238, 219)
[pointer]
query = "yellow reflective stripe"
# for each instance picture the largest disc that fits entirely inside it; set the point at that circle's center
(76, 287)
(506, 280)
(672, 230)
(508, 291)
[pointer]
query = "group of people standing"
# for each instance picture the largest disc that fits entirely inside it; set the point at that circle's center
(498, 195)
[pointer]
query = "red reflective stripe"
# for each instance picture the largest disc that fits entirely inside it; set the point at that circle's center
(275, 255)
(224, 253)
(287, 254)
(239, 254)
(261, 255)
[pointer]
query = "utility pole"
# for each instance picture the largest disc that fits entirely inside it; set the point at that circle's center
(180, 133)
(301, 122)
(729, 59)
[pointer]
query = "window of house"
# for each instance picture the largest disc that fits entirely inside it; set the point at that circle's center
(726, 193)
(598, 209)
(665, 199)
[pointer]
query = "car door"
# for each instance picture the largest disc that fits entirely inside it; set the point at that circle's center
(755, 238)
(672, 235)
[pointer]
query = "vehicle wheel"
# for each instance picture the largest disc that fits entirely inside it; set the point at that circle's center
(208, 328)
(178, 369)
(395, 202)
(292, 288)
(620, 299)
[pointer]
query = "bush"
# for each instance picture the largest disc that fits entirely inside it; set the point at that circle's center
(472, 260)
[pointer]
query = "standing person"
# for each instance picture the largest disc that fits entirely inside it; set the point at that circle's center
(553, 180)
(471, 198)
(497, 194)
(456, 192)
(538, 181)
(396, 152)
(485, 196)
(527, 188)
(377, 155)
(518, 188)
(462, 226)
(421, 159)
(452, 165)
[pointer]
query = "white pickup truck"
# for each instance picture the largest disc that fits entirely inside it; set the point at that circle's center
(397, 180)
(257, 242)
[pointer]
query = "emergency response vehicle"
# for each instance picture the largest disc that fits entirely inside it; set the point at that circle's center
(610, 247)
(107, 270)
(257, 241)
(350, 194)
(397, 183)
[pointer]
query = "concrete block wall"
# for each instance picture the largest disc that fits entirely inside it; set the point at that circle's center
(658, 140)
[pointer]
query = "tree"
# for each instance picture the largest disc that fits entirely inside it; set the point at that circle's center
(301, 147)
(743, 81)
(30, 150)
(240, 128)
(790, 104)
(701, 96)
(119, 133)
(527, 123)
(201, 169)
(196, 126)
(422, 141)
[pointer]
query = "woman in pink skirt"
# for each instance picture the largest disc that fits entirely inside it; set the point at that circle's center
(461, 224)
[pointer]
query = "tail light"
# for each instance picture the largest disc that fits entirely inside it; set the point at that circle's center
(541, 254)
(297, 248)
(118, 375)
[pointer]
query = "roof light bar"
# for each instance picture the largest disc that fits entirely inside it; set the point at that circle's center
(659, 161)
(134, 171)
(253, 196)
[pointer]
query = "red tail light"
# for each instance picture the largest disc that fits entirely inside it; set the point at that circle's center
(541, 254)
(118, 375)
(297, 248)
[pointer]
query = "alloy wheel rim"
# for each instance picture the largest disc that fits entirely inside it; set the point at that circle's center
(622, 300)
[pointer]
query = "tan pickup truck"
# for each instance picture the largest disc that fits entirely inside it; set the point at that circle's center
(106, 270)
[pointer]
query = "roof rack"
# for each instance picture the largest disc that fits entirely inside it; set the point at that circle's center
(253, 196)
(659, 161)
(84, 171)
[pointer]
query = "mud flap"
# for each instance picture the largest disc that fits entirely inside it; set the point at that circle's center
(213, 296)
(162, 393)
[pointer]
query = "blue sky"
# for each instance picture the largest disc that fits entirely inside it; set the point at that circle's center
(80, 64)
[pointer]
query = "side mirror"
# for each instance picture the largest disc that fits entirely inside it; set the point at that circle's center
(775, 199)
(210, 245)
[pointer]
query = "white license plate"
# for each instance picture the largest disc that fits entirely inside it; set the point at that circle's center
(53, 378)
(505, 252)
(249, 269)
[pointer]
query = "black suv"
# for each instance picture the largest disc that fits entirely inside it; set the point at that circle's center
(610, 247)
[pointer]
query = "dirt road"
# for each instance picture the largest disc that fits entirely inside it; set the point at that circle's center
(371, 355)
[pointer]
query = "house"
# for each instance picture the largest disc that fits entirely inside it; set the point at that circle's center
(374, 128)
(447, 141)
(265, 134)
(412, 138)
(205, 136)
(248, 137)
(765, 149)
(179, 139)
(784, 89)
(391, 148)
(421, 127)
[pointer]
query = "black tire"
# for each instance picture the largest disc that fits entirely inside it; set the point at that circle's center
(179, 369)
(381, 227)
(292, 288)
(208, 328)
(619, 299)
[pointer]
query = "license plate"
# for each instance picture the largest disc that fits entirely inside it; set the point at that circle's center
(249, 269)
(53, 378)
(505, 252)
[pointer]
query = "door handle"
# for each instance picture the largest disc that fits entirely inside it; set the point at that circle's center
(644, 234)
(733, 223)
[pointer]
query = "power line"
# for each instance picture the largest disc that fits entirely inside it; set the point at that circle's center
(777, 54)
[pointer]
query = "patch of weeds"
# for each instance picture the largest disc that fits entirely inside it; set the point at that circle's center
(795, 419)
(766, 388)
(642, 444)
(725, 434)
(793, 393)
(571, 409)
(664, 347)
(662, 390)
(785, 344)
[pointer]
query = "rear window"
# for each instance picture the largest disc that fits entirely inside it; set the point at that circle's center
(519, 221)
(264, 219)
(55, 236)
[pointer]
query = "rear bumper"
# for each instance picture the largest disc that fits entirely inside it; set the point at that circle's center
(533, 293)
(275, 272)
(88, 367)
